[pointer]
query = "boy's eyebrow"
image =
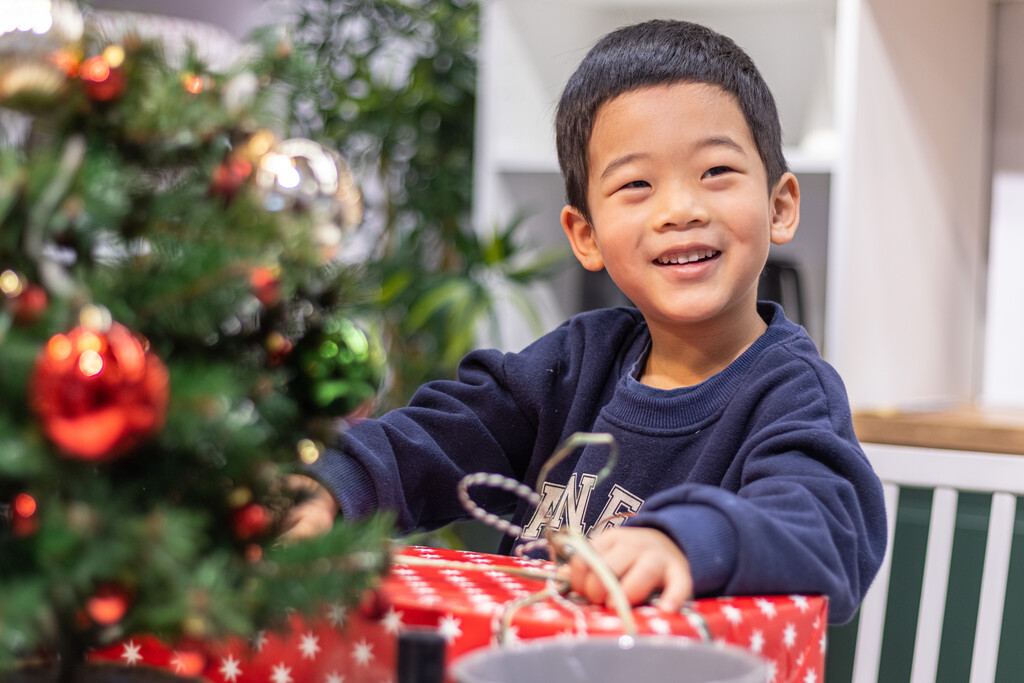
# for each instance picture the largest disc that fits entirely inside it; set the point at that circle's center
(718, 141)
(621, 161)
(712, 141)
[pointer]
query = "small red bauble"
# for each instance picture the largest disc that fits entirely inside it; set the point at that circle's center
(266, 285)
(29, 306)
(98, 394)
(251, 521)
(101, 81)
(229, 176)
(108, 604)
(23, 515)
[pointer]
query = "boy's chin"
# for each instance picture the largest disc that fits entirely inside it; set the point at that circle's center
(700, 312)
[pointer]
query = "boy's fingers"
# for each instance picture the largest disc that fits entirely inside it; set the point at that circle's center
(639, 582)
(305, 521)
(577, 573)
(314, 514)
(585, 581)
(678, 589)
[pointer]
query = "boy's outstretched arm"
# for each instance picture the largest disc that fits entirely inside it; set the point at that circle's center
(645, 560)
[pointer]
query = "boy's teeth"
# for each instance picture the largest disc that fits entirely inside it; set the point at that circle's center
(690, 258)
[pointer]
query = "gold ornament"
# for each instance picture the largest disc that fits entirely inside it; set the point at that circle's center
(40, 41)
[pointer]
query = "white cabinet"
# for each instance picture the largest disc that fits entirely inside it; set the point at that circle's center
(885, 115)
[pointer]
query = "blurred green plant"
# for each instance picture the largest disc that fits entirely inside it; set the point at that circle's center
(393, 86)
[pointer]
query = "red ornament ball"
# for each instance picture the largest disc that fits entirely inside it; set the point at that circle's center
(266, 284)
(24, 515)
(101, 80)
(251, 521)
(30, 305)
(229, 176)
(108, 604)
(98, 394)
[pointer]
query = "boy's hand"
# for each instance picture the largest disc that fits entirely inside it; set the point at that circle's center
(645, 560)
(314, 515)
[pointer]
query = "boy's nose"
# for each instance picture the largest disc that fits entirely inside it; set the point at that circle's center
(680, 208)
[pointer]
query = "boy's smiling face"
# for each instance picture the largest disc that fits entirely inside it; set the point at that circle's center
(681, 213)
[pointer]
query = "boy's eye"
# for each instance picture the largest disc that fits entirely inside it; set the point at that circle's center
(716, 171)
(635, 184)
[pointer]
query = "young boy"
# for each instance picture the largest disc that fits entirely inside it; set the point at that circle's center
(738, 455)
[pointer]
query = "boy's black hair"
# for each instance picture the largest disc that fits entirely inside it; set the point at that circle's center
(660, 52)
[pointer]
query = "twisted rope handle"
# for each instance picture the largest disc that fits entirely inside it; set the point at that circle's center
(500, 481)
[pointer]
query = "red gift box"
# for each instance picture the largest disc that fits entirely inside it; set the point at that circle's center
(476, 600)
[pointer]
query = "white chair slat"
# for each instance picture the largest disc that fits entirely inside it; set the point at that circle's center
(868, 651)
(993, 587)
(933, 588)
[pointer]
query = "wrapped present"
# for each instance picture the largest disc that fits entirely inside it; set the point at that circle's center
(477, 600)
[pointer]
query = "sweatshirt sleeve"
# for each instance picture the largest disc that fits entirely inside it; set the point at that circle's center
(410, 460)
(800, 509)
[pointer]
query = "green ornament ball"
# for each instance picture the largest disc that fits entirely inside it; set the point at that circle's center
(340, 368)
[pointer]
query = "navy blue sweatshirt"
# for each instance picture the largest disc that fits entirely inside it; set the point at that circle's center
(756, 472)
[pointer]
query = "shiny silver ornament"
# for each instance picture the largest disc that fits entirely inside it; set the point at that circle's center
(302, 174)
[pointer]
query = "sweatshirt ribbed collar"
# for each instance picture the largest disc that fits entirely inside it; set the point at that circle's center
(638, 407)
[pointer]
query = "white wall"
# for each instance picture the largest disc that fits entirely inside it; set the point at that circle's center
(1003, 380)
(909, 224)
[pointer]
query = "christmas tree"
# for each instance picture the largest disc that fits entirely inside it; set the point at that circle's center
(179, 331)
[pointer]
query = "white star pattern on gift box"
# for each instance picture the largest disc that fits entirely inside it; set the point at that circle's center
(756, 642)
(309, 645)
(334, 677)
(767, 607)
(545, 613)
(392, 621)
(789, 635)
(281, 674)
(230, 668)
(450, 628)
(362, 652)
(660, 626)
(131, 653)
(609, 623)
(733, 614)
(336, 615)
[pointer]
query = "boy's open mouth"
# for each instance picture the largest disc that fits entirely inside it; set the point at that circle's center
(692, 257)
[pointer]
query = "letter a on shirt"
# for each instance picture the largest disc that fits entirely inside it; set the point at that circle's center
(567, 505)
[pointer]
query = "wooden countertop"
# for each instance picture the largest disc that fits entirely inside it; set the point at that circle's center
(967, 429)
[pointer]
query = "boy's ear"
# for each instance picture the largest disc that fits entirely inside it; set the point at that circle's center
(582, 238)
(785, 209)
